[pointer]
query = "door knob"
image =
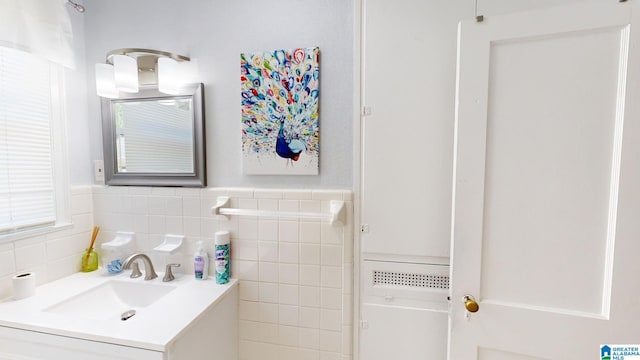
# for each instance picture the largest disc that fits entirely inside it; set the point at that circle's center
(470, 303)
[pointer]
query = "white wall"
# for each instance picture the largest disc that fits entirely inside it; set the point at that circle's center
(215, 33)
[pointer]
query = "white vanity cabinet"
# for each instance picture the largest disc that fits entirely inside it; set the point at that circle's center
(196, 320)
(24, 344)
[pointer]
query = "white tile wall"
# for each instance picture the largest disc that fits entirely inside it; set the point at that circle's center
(54, 255)
(295, 276)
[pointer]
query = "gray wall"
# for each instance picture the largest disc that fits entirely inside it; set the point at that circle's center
(215, 32)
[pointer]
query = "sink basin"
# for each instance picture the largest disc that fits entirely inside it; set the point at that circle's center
(111, 299)
(169, 317)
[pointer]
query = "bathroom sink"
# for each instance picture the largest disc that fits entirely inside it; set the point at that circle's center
(111, 299)
(92, 306)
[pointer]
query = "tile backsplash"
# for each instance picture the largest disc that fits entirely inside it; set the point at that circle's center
(54, 255)
(295, 274)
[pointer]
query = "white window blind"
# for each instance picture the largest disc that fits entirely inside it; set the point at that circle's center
(27, 193)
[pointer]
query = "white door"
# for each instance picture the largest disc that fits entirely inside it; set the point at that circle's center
(546, 233)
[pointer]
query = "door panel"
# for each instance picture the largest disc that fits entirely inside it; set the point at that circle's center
(550, 141)
(409, 62)
(396, 332)
(546, 183)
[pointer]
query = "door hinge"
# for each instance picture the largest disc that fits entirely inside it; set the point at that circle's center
(364, 324)
(366, 110)
(364, 228)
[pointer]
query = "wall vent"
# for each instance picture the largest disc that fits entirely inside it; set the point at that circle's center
(410, 279)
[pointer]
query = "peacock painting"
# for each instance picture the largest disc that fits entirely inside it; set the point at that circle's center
(280, 112)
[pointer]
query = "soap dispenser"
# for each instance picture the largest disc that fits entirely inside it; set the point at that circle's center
(200, 262)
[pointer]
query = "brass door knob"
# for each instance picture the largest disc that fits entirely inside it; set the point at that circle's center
(470, 303)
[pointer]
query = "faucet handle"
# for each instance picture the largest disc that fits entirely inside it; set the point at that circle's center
(135, 270)
(168, 275)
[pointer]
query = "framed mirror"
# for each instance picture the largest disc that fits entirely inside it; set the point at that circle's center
(154, 139)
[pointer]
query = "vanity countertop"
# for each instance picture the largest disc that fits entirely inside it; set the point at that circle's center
(153, 327)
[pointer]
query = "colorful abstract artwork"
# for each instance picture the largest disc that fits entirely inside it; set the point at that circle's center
(280, 112)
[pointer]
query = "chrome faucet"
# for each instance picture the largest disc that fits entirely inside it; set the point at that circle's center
(149, 272)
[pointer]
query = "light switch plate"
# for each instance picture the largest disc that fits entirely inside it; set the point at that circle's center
(98, 170)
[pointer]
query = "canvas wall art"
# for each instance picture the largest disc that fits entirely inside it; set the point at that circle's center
(280, 112)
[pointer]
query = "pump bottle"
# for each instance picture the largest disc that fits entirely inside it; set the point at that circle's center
(200, 262)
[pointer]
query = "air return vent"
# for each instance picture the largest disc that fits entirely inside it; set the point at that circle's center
(428, 281)
(406, 284)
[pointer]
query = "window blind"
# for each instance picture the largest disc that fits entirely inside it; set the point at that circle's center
(26, 161)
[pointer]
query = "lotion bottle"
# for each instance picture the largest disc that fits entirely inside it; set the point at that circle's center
(200, 262)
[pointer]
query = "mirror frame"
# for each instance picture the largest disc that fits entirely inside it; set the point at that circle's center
(198, 178)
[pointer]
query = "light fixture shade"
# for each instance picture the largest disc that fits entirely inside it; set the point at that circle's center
(176, 77)
(169, 75)
(126, 73)
(190, 73)
(105, 81)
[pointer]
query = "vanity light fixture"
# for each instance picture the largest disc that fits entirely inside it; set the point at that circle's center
(126, 70)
